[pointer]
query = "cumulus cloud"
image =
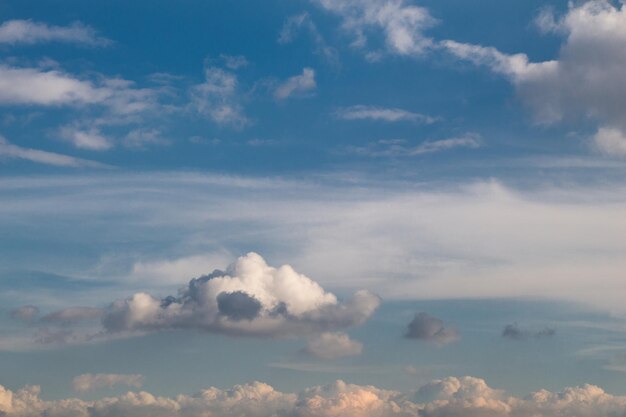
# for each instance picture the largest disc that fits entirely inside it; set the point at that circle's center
(333, 345)
(362, 112)
(514, 332)
(431, 329)
(25, 313)
(298, 85)
(249, 298)
(90, 382)
(402, 23)
(28, 32)
(218, 98)
(448, 397)
(587, 80)
(11, 151)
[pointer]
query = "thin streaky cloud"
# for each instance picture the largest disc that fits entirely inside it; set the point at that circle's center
(385, 114)
(11, 151)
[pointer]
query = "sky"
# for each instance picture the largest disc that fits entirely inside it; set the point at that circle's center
(299, 208)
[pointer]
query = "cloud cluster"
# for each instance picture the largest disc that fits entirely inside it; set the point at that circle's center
(249, 298)
(431, 329)
(90, 382)
(587, 80)
(28, 32)
(449, 397)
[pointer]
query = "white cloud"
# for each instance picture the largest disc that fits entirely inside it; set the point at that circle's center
(298, 85)
(448, 397)
(218, 98)
(11, 151)
(361, 112)
(90, 139)
(587, 80)
(29, 32)
(333, 345)
(403, 24)
(33, 86)
(249, 298)
(175, 271)
(90, 382)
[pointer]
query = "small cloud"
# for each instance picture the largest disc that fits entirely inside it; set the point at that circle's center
(431, 329)
(90, 139)
(514, 332)
(333, 345)
(362, 112)
(25, 313)
(142, 138)
(298, 85)
(90, 382)
(234, 62)
(218, 98)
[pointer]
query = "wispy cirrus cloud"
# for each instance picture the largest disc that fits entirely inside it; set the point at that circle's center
(401, 148)
(385, 114)
(29, 32)
(11, 151)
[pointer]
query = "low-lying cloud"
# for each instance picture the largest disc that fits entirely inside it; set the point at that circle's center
(448, 397)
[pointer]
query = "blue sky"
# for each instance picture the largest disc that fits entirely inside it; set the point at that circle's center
(374, 207)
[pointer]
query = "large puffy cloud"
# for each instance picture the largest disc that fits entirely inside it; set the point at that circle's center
(449, 397)
(28, 32)
(586, 80)
(249, 298)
